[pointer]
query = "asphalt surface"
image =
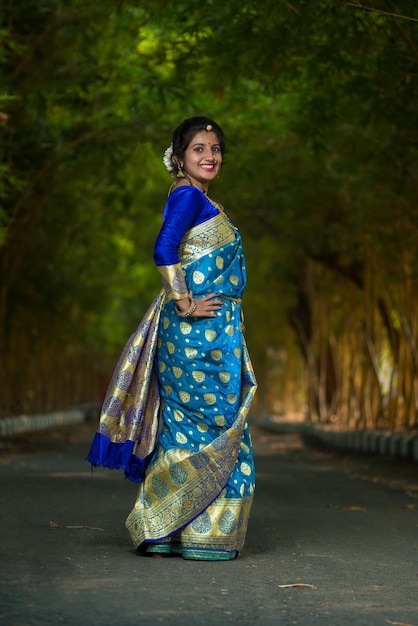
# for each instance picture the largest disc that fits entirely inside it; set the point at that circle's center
(344, 529)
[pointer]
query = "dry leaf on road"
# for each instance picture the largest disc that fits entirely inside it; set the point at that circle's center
(296, 585)
(54, 525)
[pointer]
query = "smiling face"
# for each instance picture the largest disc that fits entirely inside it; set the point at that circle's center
(202, 159)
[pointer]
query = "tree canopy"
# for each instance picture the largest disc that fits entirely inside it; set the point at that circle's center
(318, 99)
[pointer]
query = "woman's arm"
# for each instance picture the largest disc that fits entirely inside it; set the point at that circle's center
(183, 210)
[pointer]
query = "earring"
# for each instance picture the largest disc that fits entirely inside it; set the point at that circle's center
(180, 173)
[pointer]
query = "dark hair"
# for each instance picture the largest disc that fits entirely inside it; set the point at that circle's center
(185, 132)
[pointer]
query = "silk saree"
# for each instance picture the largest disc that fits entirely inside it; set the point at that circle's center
(175, 415)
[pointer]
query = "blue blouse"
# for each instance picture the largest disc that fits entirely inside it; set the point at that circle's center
(186, 207)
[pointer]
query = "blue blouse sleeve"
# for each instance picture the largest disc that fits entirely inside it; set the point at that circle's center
(183, 209)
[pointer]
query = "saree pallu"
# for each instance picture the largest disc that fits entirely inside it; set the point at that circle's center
(199, 486)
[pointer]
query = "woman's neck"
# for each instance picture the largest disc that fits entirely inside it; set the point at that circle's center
(188, 180)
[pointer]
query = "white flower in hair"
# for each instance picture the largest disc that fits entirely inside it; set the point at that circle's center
(168, 160)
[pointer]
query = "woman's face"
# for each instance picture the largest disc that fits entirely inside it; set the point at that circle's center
(203, 158)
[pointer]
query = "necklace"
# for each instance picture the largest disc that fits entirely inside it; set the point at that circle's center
(221, 211)
(216, 205)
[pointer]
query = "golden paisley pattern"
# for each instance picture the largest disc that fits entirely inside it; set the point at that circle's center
(199, 376)
(198, 277)
(209, 398)
(177, 371)
(178, 415)
(184, 396)
(245, 469)
(210, 335)
(185, 328)
(180, 438)
(216, 355)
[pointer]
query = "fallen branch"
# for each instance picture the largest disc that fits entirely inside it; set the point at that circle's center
(297, 585)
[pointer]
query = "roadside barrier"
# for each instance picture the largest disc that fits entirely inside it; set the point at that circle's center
(385, 443)
(10, 426)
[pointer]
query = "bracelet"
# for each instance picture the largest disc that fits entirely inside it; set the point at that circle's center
(189, 311)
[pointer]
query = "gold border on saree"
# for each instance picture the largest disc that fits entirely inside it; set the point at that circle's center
(206, 238)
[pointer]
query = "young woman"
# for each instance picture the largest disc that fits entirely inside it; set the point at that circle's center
(175, 412)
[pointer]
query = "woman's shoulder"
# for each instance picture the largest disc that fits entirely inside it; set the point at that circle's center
(186, 190)
(185, 200)
(186, 196)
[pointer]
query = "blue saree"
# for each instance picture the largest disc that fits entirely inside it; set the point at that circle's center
(175, 416)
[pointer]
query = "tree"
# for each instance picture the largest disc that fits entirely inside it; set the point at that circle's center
(318, 101)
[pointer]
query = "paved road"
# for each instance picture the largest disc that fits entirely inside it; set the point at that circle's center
(317, 520)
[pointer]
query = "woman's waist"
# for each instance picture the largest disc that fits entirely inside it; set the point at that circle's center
(202, 280)
(232, 295)
(235, 299)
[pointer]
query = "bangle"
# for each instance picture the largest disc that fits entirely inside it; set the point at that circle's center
(189, 311)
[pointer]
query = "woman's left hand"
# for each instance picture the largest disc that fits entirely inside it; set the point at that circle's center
(207, 306)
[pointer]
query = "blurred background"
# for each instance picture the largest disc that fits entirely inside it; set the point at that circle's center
(319, 102)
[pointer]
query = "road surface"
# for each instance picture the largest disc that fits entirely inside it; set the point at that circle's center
(332, 542)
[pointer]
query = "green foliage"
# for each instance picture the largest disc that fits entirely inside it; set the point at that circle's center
(318, 101)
